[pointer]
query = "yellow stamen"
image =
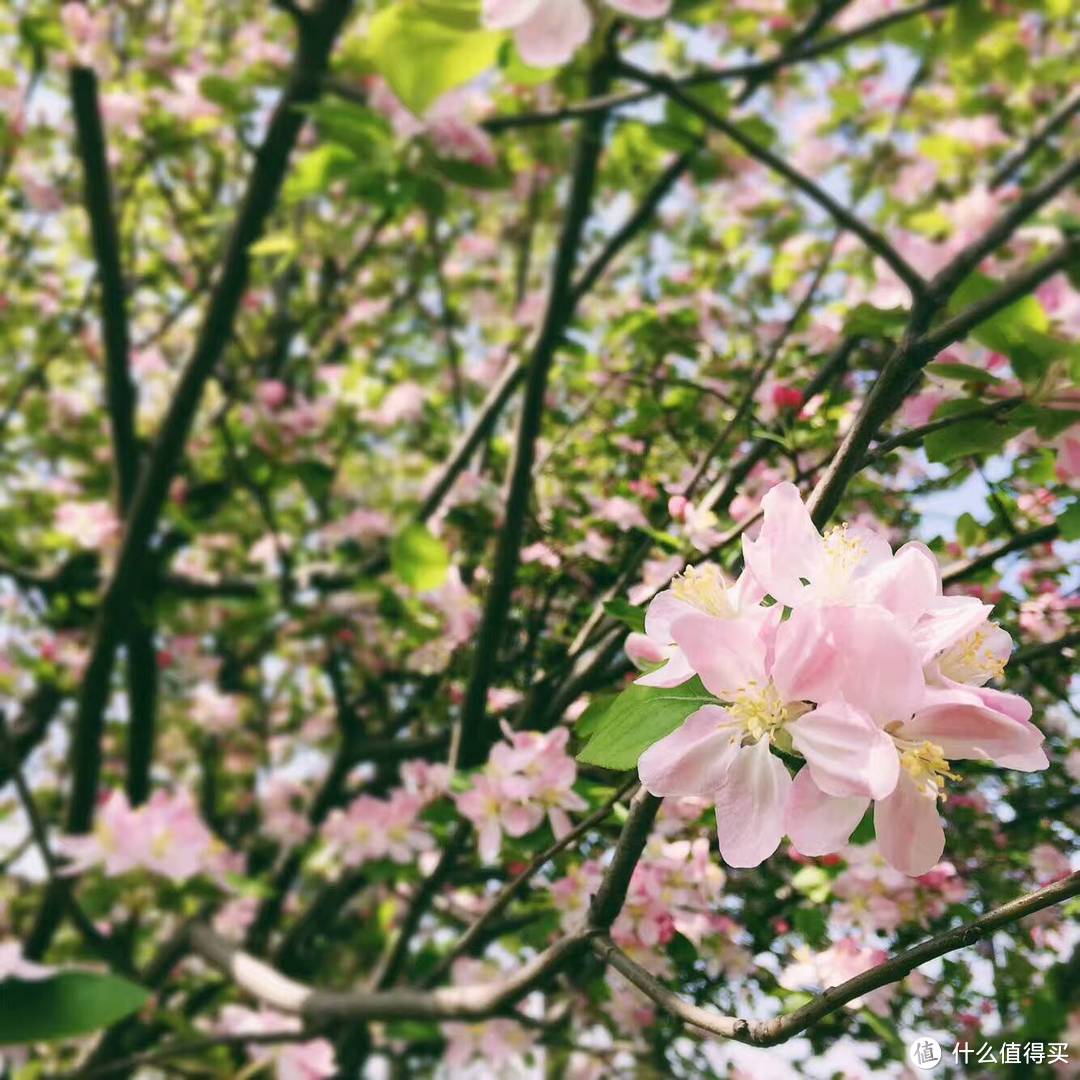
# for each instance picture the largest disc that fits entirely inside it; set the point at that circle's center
(705, 588)
(972, 660)
(759, 709)
(926, 765)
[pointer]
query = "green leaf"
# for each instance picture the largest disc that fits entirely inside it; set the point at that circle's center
(968, 437)
(587, 722)
(423, 48)
(468, 174)
(419, 558)
(868, 321)
(67, 1005)
(627, 613)
(1069, 522)
(963, 372)
(315, 172)
(1018, 331)
(640, 716)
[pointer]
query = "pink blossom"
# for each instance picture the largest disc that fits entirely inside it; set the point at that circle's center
(958, 718)
(426, 779)
(312, 1059)
(836, 964)
(700, 588)
(165, 836)
(214, 711)
(1067, 462)
(541, 553)
(655, 575)
(527, 776)
(622, 513)
(459, 607)
(498, 1045)
(773, 675)
(548, 32)
(14, 966)
(91, 525)
(404, 402)
(357, 833)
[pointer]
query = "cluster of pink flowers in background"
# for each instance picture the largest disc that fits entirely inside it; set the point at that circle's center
(860, 666)
(876, 897)
(374, 828)
(674, 889)
(527, 778)
(312, 1059)
(165, 836)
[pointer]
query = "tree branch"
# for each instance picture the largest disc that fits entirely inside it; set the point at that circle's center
(753, 70)
(271, 163)
(1035, 142)
(469, 746)
(946, 280)
(476, 931)
(842, 216)
(611, 895)
(966, 568)
(1046, 648)
(446, 1003)
(916, 349)
(781, 1028)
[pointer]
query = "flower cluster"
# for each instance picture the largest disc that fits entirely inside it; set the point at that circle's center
(372, 828)
(165, 836)
(860, 666)
(311, 1059)
(528, 777)
(673, 889)
(877, 898)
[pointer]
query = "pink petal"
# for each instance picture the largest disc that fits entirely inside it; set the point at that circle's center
(674, 673)
(820, 824)
(909, 832)
(974, 731)
(694, 758)
(642, 9)
(825, 653)
(787, 548)
(505, 14)
(750, 806)
(554, 32)
(662, 611)
(728, 654)
(847, 753)
(951, 618)
(907, 585)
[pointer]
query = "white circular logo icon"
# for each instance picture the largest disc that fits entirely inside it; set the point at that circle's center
(924, 1053)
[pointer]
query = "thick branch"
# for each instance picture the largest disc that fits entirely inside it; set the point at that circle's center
(782, 1028)
(447, 1003)
(263, 187)
(609, 898)
(470, 743)
(1046, 648)
(97, 198)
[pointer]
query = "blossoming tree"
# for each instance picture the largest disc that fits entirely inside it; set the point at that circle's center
(538, 538)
